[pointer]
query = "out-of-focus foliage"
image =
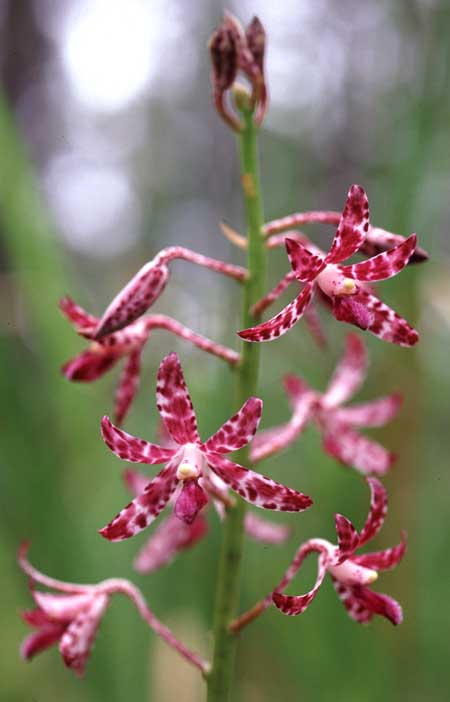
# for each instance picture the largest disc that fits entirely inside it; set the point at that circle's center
(109, 150)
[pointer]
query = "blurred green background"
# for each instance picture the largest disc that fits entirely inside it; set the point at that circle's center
(110, 150)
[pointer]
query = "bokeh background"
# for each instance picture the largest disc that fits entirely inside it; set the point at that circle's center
(110, 150)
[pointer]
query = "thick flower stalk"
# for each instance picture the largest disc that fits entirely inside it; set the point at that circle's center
(194, 464)
(342, 284)
(337, 424)
(70, 617)
(352, 574)
(128, 343)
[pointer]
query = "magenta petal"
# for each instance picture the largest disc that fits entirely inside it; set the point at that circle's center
(377, 512)
(239, 430)
(348, 537)
(353, 449)
(378, 603)
(128, 386)
(89, 365)
(296, 604)
(61, 608)
(349, 373)
(383, 560)
(132, 449)
(191, 500)
(305, 264)
(353, 226)
(135, 481)
(77, 640)
(41, 640)
(370, 414)
(256, 488)
(171, 537)
(355, 608)
(283, 321)
(383, 266)
(174, 402)
(352, 310)
(84, 323)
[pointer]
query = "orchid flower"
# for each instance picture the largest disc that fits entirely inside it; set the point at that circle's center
(351, 574)
(173, 536)
(342, 284)
(70, 617)
(148, 284)
(127, 343)
(193, 463)
(336, 423)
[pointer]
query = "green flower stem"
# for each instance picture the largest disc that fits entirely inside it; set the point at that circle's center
(228, 585)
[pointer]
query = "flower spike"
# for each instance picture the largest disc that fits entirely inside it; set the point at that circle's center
(192, 464)
(337, 424)
(344, 285)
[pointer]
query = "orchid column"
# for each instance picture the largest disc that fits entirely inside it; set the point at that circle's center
(234, 50)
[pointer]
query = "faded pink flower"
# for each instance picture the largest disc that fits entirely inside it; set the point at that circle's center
(337, 424)
(342, 284)
(128, 343)
(351, 574)
(194, 464)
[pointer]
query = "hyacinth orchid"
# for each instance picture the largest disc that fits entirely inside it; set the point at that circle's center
(351, 574)
(148, 284)
(70, 617)
(342, 284)
(128, 343)
(336, 423)
(193, 463)
(173, 536)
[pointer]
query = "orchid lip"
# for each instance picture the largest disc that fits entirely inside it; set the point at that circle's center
(350, 573)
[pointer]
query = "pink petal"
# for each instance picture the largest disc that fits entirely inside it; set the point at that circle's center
(135, 298)
(135, 481)
(348, 537)
(256, 488)
(352, 604)
(353, 226)
(273, 294)
(377, 512)
(84, 323)
(77, 640)
(239, 430)
(383, 560)
(349, 374)
(379, 240)
(264, 531)
(128, 385)
(171, 537)
(89, 365)
(283, 321)
(190, 501)
(139, 513)
(174, 402)
(305, 264)
(353, 449)
(36, 617)
(130, 448)
(376, 603)
(296, 604)
(312, 320)
(61, 608)
(383, 266)
(376, 317)
(41, 640)
(370, 414)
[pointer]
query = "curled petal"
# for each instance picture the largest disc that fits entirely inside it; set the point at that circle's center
(305, 264)
(355, 608)
(61, 608)
(171, 537)
(76, 642)
(174, 402)
(130, 448)
(239, 430)
(348, 537)
(41, 640)
(190, 501)
(377, 603)
(139, 513)
(135, 298)
(368, 312)
(349, 374)
(89, 365)
(257, 489)
(383, 560)
(128, 385)
(296, 604)
(370, 414)
(283, 321)
(353, 449)
(383, 266)
(84, 323)
(377, 512)
(264, 531)
(353, 226)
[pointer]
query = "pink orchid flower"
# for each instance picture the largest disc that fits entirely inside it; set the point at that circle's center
(343, 284)
(193, 463)
(172, 536)
(128, 343)
(148, 284)
(351, 574)
(70, 617)
(336, 423)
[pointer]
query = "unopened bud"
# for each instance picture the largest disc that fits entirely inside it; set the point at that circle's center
(256, 41)
(224, 57)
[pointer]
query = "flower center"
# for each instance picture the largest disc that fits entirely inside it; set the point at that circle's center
(192, 463)
(333, 283)
(351, 573)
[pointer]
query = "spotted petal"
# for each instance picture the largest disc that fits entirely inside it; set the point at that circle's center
(353, 226)
(349, 374)
(377, 603)
(130, 448)
(77, 640)
(283, 321)
(257, 489)
(370, 414)
(383, 560)
(296, 604)
(128, 386)
(174, 402)
(139, 513)
(84, 323)
(239, 430)
(305, 264)
(356, 450)
(348, 537)
(355, 608)
(377, 512)
(383, 266)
